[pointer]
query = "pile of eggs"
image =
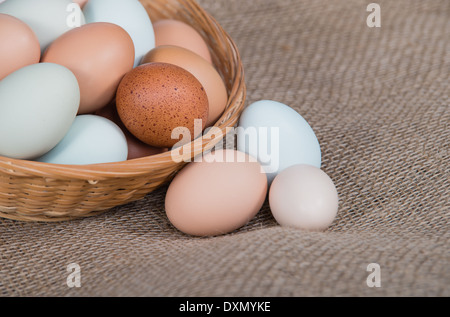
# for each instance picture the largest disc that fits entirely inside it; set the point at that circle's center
(278, 157)
(96, 81)
(101, 83)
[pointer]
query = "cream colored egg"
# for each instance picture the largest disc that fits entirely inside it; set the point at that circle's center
(304, 197)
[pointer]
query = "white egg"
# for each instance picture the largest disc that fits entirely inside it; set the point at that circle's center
(304, 197)
(91, 140)
(49, 19)
(38, 104)
(278, 136)
(131, 16)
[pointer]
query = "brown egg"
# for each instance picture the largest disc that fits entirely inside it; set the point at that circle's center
(156, 98)
(99, 54)
(217, 195)
(201, 69)
(173, 32)
(19, 46)
(136, 148)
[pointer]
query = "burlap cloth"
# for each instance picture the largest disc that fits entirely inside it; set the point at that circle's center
(378, 100)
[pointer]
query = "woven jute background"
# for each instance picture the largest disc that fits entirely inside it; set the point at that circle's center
(378, 100)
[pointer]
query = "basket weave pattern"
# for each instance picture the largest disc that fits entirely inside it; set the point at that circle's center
(35, 191)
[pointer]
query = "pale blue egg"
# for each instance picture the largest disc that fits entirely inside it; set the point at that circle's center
(278, 137)
(49, 19)
(91, 140)
(131, 16)
(38, 104)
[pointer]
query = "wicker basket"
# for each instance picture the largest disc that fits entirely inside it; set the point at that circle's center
(34, 191)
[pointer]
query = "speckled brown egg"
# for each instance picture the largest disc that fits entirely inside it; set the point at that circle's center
(155, 99)
(201, 69)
